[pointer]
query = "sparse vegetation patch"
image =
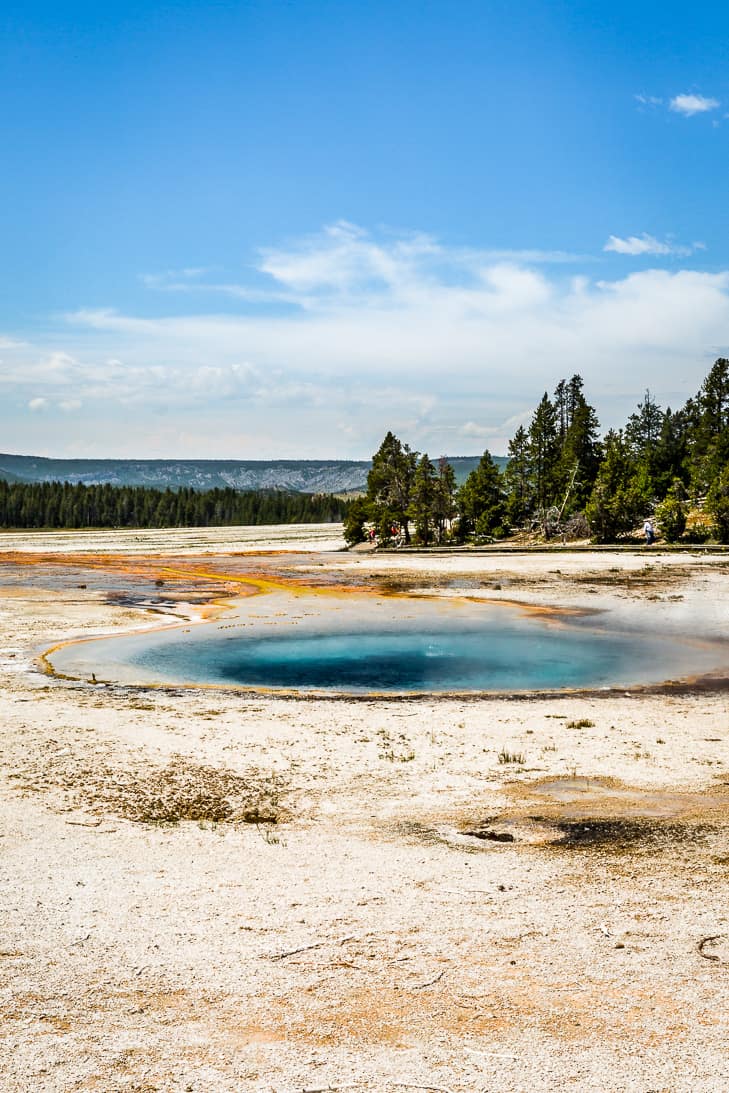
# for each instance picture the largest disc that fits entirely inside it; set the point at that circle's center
(180, 790)
(512, 757)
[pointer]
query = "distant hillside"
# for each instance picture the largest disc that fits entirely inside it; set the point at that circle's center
(300, 475)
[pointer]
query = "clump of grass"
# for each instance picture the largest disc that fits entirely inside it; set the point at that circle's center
(581, 723)
(270, 837)
(395, 749)
(512, 757)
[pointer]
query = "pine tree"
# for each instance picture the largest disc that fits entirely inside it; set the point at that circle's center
(444, 501)
(620, 496)
(669, 453)
(423, 499)
(560, 409)
(671, 513)
(708, 435)
(518, 479)
(544, 452)
(354, 523)
(643, 429)
(389, 485)
(482, 502)
(580, 456)
(717, 504)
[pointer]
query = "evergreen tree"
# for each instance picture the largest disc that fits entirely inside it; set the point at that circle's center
(707, 431)
(580, 456)
(669, 453)
(354, 523)
(544, 452)
(717, 504)
(714, 398)
(560, 409)
(671, 513)
(62, 505)
(518, 479)
(620, 496)
(574, 397)
(643, 429)
(423, 499)
(444, 500)
(482, 502)
(389, 485)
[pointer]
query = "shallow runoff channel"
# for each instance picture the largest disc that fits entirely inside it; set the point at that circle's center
(300, 640)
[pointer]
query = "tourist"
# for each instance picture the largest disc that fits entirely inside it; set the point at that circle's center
(650, 534)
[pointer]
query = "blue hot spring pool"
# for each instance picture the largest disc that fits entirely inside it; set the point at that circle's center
(420, 649)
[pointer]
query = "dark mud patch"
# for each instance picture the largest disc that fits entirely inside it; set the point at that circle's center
(603, 815)
(605, 834)
(490, 834)
(625, 835)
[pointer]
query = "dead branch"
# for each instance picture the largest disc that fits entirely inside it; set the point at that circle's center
(307, 948)
(293, 952)
(430, 1088)
(420, 987)
(358, 1085)
(705, 941)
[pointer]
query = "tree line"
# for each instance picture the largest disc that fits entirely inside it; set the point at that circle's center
(563, 479)
(67, 505)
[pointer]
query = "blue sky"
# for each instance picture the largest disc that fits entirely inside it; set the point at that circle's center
(279, 229)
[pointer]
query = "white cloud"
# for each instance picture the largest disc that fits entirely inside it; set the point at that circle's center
(447, 346)
(473, 429)
(344, 259)
(36, 404)
(163, 280)
(688, 105)
(648, 100)
(68, 405)
(648, 244)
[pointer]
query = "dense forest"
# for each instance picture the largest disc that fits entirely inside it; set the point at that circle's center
(62, 505)
(563, 480)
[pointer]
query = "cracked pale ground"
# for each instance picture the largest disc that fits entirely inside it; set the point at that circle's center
(363, 941)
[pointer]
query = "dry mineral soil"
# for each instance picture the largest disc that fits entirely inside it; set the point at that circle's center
(213, 890)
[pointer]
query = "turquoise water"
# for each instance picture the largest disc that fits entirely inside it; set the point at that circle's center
(498, 653)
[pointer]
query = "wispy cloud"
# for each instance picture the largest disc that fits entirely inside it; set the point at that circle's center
(344, 261)
(474, 429)
(188, 274)
(446, 345)
(647, 244)
(648, 100)
(691, 104)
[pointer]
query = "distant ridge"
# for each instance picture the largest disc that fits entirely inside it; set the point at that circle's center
(298, 475)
